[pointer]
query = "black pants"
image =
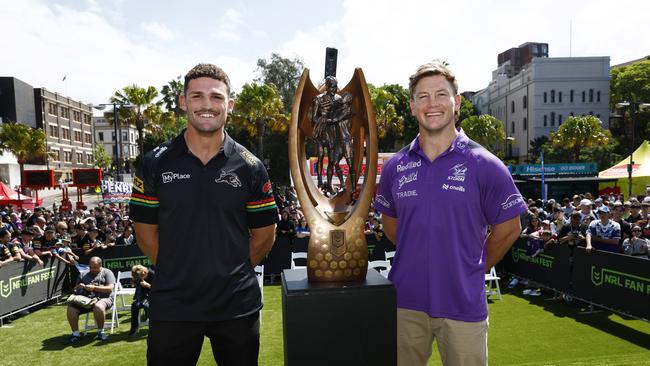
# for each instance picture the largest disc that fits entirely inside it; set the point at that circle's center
(135, 311)
(234, 342)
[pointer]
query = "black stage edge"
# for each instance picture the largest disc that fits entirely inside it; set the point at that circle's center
(338, 323)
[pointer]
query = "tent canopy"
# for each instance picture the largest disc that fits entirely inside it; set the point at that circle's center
(10, 197)
(640, 171)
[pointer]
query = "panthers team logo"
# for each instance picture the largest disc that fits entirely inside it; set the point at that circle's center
(229, 178)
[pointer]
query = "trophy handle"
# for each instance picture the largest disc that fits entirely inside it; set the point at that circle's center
(337, 248)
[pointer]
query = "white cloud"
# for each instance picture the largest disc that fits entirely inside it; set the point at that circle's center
(157, 30)
(229, 26)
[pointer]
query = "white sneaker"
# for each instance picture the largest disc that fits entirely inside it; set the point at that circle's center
(513, 283)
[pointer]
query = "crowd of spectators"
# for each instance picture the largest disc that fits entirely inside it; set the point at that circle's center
(42, 233)
(604, 223)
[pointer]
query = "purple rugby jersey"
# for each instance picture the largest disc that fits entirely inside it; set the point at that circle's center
(443, 209)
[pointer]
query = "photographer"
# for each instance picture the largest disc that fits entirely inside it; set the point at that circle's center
(574, 233)
(142, 279)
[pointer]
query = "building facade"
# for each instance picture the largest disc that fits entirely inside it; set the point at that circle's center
(546, 91)
(127, 142)
(68, 126)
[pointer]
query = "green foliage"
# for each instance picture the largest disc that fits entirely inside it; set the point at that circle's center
(284, 74)
(577, 133)
(258, 107)
(170, 96)
(487, 131)
(630, 84)
(536, 147)
(102, 159)
(26, 143)
(385, 104)
(467, 109)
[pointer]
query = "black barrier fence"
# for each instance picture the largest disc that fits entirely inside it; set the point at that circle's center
(25, 284)
(613, 281)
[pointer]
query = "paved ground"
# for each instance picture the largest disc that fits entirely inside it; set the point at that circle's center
(50, 196)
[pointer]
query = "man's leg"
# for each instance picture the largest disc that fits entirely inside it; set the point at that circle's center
(99, 312)
(73, 318)
(463, 343)
(236, 342)
(414, 337)
(135, 315)
(174, 343)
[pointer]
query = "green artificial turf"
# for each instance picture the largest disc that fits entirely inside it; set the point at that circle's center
(523, 331)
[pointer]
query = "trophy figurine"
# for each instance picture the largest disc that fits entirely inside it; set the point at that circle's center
(342, 125)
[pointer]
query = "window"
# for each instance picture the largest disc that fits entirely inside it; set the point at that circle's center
(125, 136)
(544, 97)
(525, 102)
(571, 114)
(77, 136)
(545, 121)
(67, 156)
(88, 119)
(80, 159)
(89, 159)
(591, 95)
(112, 136)
(591, 113)
(583, 96)
(65, 133)
(88, 138)
(55, 154)
(512, 127)
(76, 116)
(114, 149)
(51, 109)
(559, 97)
(512, 106)
(525, 124)
(100, 136)
(552, 118)
(65, 112)
(54, 131)
(552, 96)
(571, 96)
(559, 119)
(598, 96)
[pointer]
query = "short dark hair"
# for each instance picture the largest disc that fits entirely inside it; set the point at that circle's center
(207, 70)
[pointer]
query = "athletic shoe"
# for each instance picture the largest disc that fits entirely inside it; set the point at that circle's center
(527, 291)
(513, 283)
(74, 339)
(102, 336)
(535, 293)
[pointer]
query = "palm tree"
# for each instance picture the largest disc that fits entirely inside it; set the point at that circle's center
(170, 96)
(385, 104)
(486, 130)
(26, 143)
(258, 107)
(140, 99)
(577, 133)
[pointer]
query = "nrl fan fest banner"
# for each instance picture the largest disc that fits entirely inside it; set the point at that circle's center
(116, 192)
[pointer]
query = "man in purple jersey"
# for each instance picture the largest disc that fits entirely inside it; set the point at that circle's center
(452, 210)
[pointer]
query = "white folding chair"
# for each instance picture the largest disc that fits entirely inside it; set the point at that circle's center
(492, 285)
(259, 273)
(381, 266)
(298, 255)
(121, 291)
(390, 255)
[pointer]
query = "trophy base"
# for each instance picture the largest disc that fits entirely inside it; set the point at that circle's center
(338, 323)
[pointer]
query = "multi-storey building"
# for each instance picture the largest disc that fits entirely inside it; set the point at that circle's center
(535, 100)
(127, 142)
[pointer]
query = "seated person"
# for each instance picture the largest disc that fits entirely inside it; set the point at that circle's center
(302, 230)
(5, 254)
(143, 277)
(636, 245)
(97, 282)
(604, 233)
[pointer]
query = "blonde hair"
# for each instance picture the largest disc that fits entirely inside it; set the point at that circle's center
(431, 69)
(139, 270)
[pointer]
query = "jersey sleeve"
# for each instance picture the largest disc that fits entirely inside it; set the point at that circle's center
(501, 200)
(261, 209)
(384, 202)
(144, 197)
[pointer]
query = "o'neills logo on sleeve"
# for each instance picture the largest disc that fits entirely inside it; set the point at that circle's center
(171, 176)
(511, 201)
(409, 165)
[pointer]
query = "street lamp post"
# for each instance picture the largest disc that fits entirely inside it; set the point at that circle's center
(634, 108)
(118, 134)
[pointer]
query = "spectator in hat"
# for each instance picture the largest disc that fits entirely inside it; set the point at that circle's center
(586, 210)
(21, 247)
(636, 245)
(635, 212)
(558, 220)
(604, 233)
(574, 233)
(92, 243)
(598, 202)
(45, 243)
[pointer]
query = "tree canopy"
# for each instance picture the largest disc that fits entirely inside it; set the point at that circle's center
(282, 72)
(579, 132)
(485, 130)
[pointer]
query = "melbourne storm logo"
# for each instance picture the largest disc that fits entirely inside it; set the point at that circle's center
(458, 172)
(229, 178)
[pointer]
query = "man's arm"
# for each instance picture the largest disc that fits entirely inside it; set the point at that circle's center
(390, 228)
(259, 244)
(501, 238)
(147, 238)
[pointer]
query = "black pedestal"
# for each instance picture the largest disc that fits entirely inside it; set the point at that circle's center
(338, 323)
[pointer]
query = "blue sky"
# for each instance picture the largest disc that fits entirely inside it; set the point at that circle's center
(104, 45)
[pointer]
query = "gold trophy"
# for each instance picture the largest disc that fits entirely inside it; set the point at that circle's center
(342, 125)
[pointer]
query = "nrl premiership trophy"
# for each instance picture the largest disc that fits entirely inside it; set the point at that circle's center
(341, 123)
